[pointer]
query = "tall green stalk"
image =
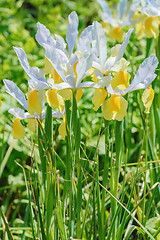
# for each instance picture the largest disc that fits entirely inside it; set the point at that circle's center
(77, 138)
(115, 172)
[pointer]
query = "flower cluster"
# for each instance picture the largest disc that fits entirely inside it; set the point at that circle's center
(66, 67)
(143, 14)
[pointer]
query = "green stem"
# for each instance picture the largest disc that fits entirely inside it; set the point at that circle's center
(105, 175)
(116, 172)
(77, 138)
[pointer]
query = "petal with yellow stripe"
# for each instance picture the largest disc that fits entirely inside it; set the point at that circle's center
(114, 108)
(98, 97)
(18, 131)
(147, 98)
(34, 102)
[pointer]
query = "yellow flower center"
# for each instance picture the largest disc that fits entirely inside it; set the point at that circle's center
(117, 34)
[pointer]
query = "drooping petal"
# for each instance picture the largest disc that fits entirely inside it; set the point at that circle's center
(147, 98)
(72, 31)
(15, 92)
(62, 129)
(114, 108)
(34, 102)
(98, 98)
(55, 100)
(18, 131)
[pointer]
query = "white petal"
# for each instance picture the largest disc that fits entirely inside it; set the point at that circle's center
(101, 42)
(33, 72)
(72, 31)
(59, 86)
(124, 45)
(122, 6)
(105, 8)
(43, 35)
(15, 92)
(85, 39)
(38, 85)
(144, 76)
(19, 113)
(83, 66)
(53, 58)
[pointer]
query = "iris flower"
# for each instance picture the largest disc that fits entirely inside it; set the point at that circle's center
(125, 14)
(68, 67)
(149, 20)
(103, 66)
(115, 107)
(33, 106)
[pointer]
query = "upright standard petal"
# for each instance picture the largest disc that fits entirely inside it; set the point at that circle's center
(51, 55)
(83, 66)
(72, 31)
(122, 6)
(124, 45)
(85, 39)
(15, 92)
(43, 35)
(100, 42)
(105, 8)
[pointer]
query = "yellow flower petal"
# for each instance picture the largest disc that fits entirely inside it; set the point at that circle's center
(55, 100)
(114, 108)
(18, 131)
(79, 94)
(62, 129)
(147, 98)
(152, 27)
(32, 124)
(98, 98)
(120, 80)
(34, 102)
(0, 102)
(65, 93)
(117, 34)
